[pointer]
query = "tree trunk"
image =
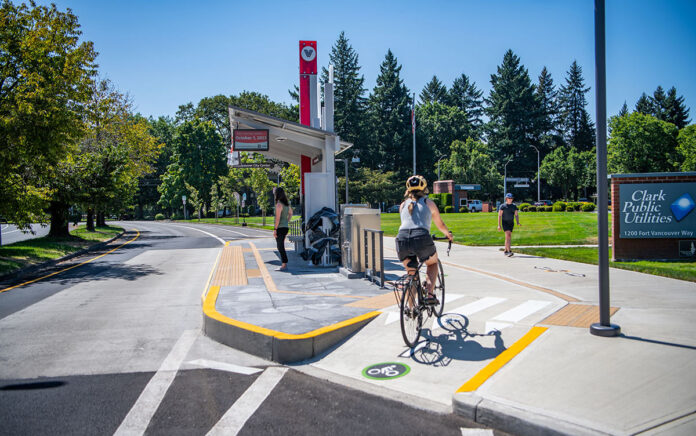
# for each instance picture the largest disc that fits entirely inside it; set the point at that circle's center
(90, 219)
(263, 217)
(101, 219)
(59, 219)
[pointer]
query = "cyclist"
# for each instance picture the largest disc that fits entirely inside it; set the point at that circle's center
(413, 242)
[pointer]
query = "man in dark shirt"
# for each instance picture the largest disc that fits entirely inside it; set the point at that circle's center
(507, 213)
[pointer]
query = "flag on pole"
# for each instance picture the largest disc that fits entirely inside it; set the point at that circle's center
(413, 117)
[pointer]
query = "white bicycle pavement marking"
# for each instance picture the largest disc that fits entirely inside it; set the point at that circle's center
(246, 405)
(140, 415)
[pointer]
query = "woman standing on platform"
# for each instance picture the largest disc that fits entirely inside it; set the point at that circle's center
(283, 214)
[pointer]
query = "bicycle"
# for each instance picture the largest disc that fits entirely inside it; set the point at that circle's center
(411, 299)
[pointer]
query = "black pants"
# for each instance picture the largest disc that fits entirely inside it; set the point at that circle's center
(281, 233)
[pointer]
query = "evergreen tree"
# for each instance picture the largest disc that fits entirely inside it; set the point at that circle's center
(434, 92)
(349, 93)
(676, 111)
(390, 121)
(624, 110)
(467, 97)
(547, 96)
(658, 103)
(577, 127)
(644, 105)
(514, 114)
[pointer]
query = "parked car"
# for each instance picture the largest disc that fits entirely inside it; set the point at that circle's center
(393, 209)
(583, 200)
(474, 205)
(543, 203)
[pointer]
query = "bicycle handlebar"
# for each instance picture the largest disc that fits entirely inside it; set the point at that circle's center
(443, 238)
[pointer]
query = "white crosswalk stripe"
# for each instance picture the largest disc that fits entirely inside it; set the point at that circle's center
(478, 305)
(522, 311)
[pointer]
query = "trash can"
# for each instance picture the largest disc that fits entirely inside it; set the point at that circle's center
(353, 221)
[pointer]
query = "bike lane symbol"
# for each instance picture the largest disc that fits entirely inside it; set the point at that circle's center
(385, 371)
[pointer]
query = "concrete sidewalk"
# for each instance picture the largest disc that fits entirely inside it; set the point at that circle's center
(513, 349)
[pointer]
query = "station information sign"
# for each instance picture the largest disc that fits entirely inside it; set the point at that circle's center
(250, 140)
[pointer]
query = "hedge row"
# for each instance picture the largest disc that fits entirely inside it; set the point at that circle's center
(559, 206)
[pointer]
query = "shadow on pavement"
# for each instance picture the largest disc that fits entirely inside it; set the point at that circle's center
(441, 349)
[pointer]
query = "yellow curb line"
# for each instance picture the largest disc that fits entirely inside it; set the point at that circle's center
(74, 266)
(210, 276)
(503, 358)
(211, 312)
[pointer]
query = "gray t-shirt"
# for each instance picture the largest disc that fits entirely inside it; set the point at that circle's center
(419, 219)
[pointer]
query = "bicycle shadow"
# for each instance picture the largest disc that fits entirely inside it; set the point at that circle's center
(452, 344)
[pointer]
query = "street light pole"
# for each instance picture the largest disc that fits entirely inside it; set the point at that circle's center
(505, 179)
(538, 174)
(438, 166)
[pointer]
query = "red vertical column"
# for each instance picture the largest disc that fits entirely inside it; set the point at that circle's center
(308, 67)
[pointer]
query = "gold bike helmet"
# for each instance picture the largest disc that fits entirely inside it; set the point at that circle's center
(416, 183)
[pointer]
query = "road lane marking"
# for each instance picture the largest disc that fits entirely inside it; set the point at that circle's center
(222, 241)
(522, 311)
(236, 416)
(224, 366)
(71, 267)
(140, 415)
(476, 381)
(476, 432)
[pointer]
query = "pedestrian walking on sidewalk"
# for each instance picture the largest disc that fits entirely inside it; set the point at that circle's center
(283, 214)
(507, 214)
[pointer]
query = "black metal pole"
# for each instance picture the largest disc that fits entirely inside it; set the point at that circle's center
(604, 327)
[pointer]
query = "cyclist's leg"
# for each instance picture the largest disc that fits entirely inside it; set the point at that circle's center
(432, 270)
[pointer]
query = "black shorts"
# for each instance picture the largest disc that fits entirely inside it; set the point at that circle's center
(414, 244)
(508, 225)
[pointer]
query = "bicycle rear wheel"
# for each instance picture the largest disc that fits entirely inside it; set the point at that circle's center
(411, 315)
(439, 289)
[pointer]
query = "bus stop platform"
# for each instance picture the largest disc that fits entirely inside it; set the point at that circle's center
(284, 316)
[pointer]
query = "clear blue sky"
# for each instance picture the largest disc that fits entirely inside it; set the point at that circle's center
(167, 53)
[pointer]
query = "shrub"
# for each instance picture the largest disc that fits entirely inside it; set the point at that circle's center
(559, 206)
(437, 199)
(464, 209)
(531, 208)
(159, 217)
(524, 206)
(177, 216)
(548, 208)
(446, 200)
(588, 207)
(449, 209)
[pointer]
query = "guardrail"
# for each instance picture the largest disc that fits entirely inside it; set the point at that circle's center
(370, 253)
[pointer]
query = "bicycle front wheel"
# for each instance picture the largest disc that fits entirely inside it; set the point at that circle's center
(411, 315)
(439, 289)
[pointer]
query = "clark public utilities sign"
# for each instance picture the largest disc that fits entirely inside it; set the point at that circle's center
(657, 210)
(250, 140)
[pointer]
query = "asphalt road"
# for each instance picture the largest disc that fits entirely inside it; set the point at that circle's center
(11, 234)
(114, 346)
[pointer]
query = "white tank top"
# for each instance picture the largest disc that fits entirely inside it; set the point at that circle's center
(419, 219)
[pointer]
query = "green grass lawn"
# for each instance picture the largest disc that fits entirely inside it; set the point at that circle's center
(682, 270)
(33, 251)
(537, 228)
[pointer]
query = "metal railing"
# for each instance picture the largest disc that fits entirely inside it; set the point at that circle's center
(295, 227)
(370, 253)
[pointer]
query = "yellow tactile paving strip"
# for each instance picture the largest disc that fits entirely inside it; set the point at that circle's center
(576, 315)
(378, 302)
(231, 270)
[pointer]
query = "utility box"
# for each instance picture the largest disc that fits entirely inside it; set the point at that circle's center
(353, 221)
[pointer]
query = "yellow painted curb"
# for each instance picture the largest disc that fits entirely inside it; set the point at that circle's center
(476, 381)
